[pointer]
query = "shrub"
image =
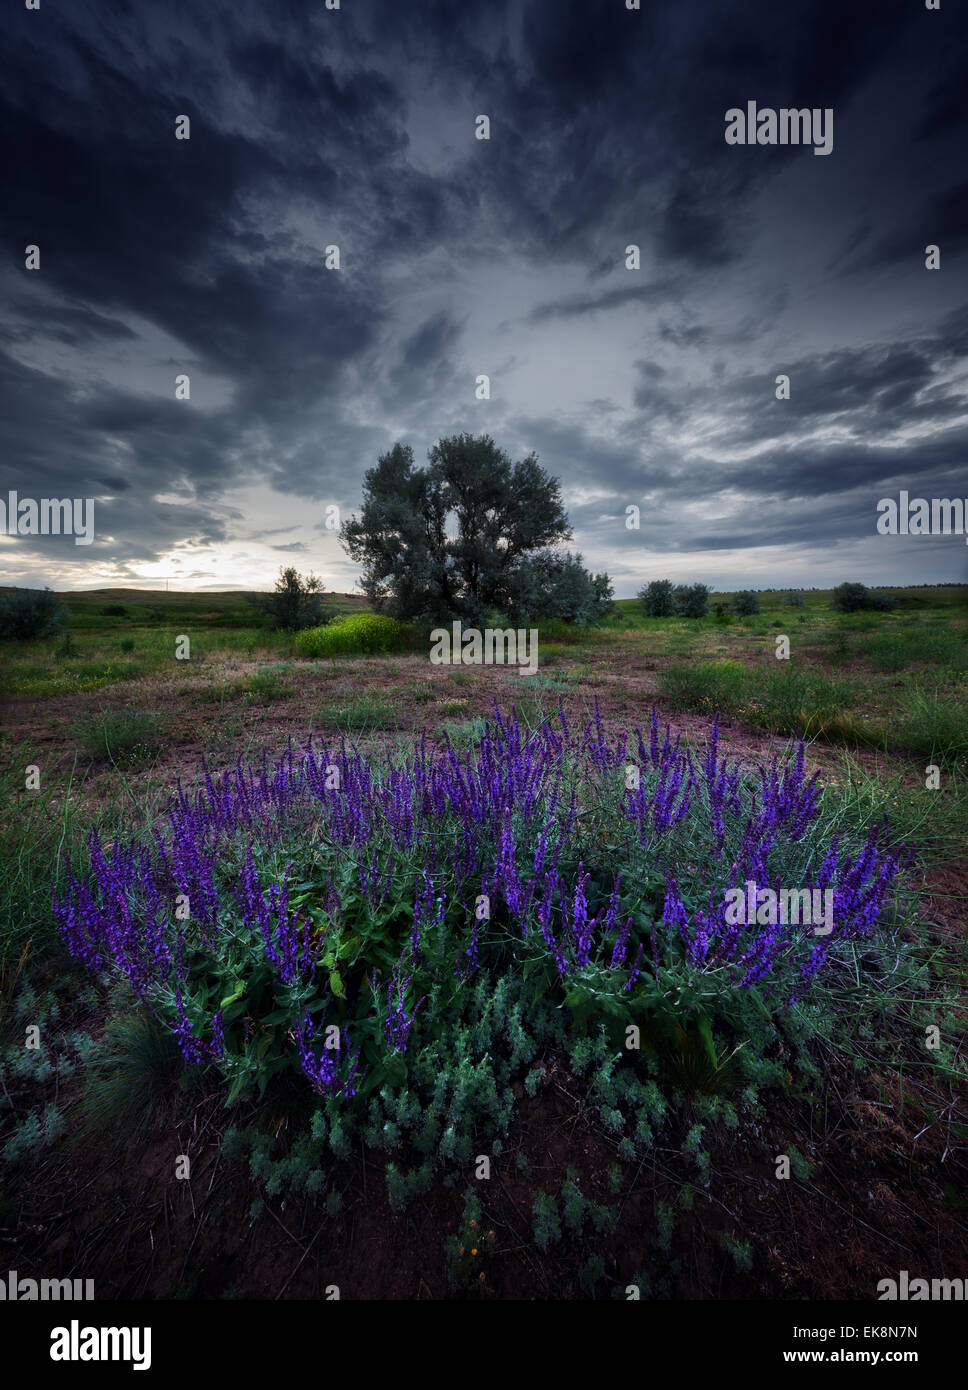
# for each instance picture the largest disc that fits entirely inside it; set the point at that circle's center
(854, 598)
(558, 630)
(357, 635)
(467, 734)
(795, 600)
(296, 604)
(691, 600)
(657, 599)
(27, 613)
(746, 602)
(114, 610)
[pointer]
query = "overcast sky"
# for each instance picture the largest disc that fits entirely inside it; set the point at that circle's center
(355, 127)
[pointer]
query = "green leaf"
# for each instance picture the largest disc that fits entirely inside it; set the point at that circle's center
(236, 1088)
(237, 994)
(706, 1033)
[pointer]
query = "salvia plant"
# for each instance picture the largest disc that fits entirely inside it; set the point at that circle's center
(333, 917)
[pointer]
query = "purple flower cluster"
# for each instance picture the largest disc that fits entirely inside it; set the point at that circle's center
(663, 800)
(325, 1074)
(399, 1017)
(519, 818)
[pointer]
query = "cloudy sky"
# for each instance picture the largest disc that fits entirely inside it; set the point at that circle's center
(461, 257)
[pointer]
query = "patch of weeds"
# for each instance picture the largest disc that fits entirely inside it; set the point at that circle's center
(126, 738)
(363, 712)
(469, 1251)
(451, 706)
(264, 687)
(35, 1132)
(467, 734)
(420, 692)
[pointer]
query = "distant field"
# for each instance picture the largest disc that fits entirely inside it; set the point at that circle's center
(118, 635)
(881, 680)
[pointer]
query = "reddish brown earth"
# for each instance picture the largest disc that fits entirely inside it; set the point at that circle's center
(887, 1192)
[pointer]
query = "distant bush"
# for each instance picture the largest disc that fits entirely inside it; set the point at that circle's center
(26, 613)
(114, 610)
(746, 602)
(691, 600)
(296, 604)
(795, 600)
(662, 599)
(657, 598)
(359, 634)
(854, 598)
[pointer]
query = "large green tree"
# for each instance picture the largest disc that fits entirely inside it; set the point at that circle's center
(470, 535)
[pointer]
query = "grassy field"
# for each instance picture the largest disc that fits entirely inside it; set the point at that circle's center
(103, 721)
(895, 681)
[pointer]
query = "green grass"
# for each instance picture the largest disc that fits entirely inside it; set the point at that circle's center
(467, 734)
(39, 831)
(125, 738)
(451, 706)
(921, 646)
(133, 1082)
(932, 720)
(266, 686)
(359, 714)
(928, 714)
(418, 692)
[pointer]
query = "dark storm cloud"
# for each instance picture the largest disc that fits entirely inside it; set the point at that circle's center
(870, 391)
(944, 223)
(311, 128)
(73, 325)
(578, 305)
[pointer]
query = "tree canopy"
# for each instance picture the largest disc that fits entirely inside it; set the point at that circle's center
(469, 536)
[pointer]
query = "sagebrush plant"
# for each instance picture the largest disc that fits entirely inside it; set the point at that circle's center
(400, 933)
(546, 1221)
